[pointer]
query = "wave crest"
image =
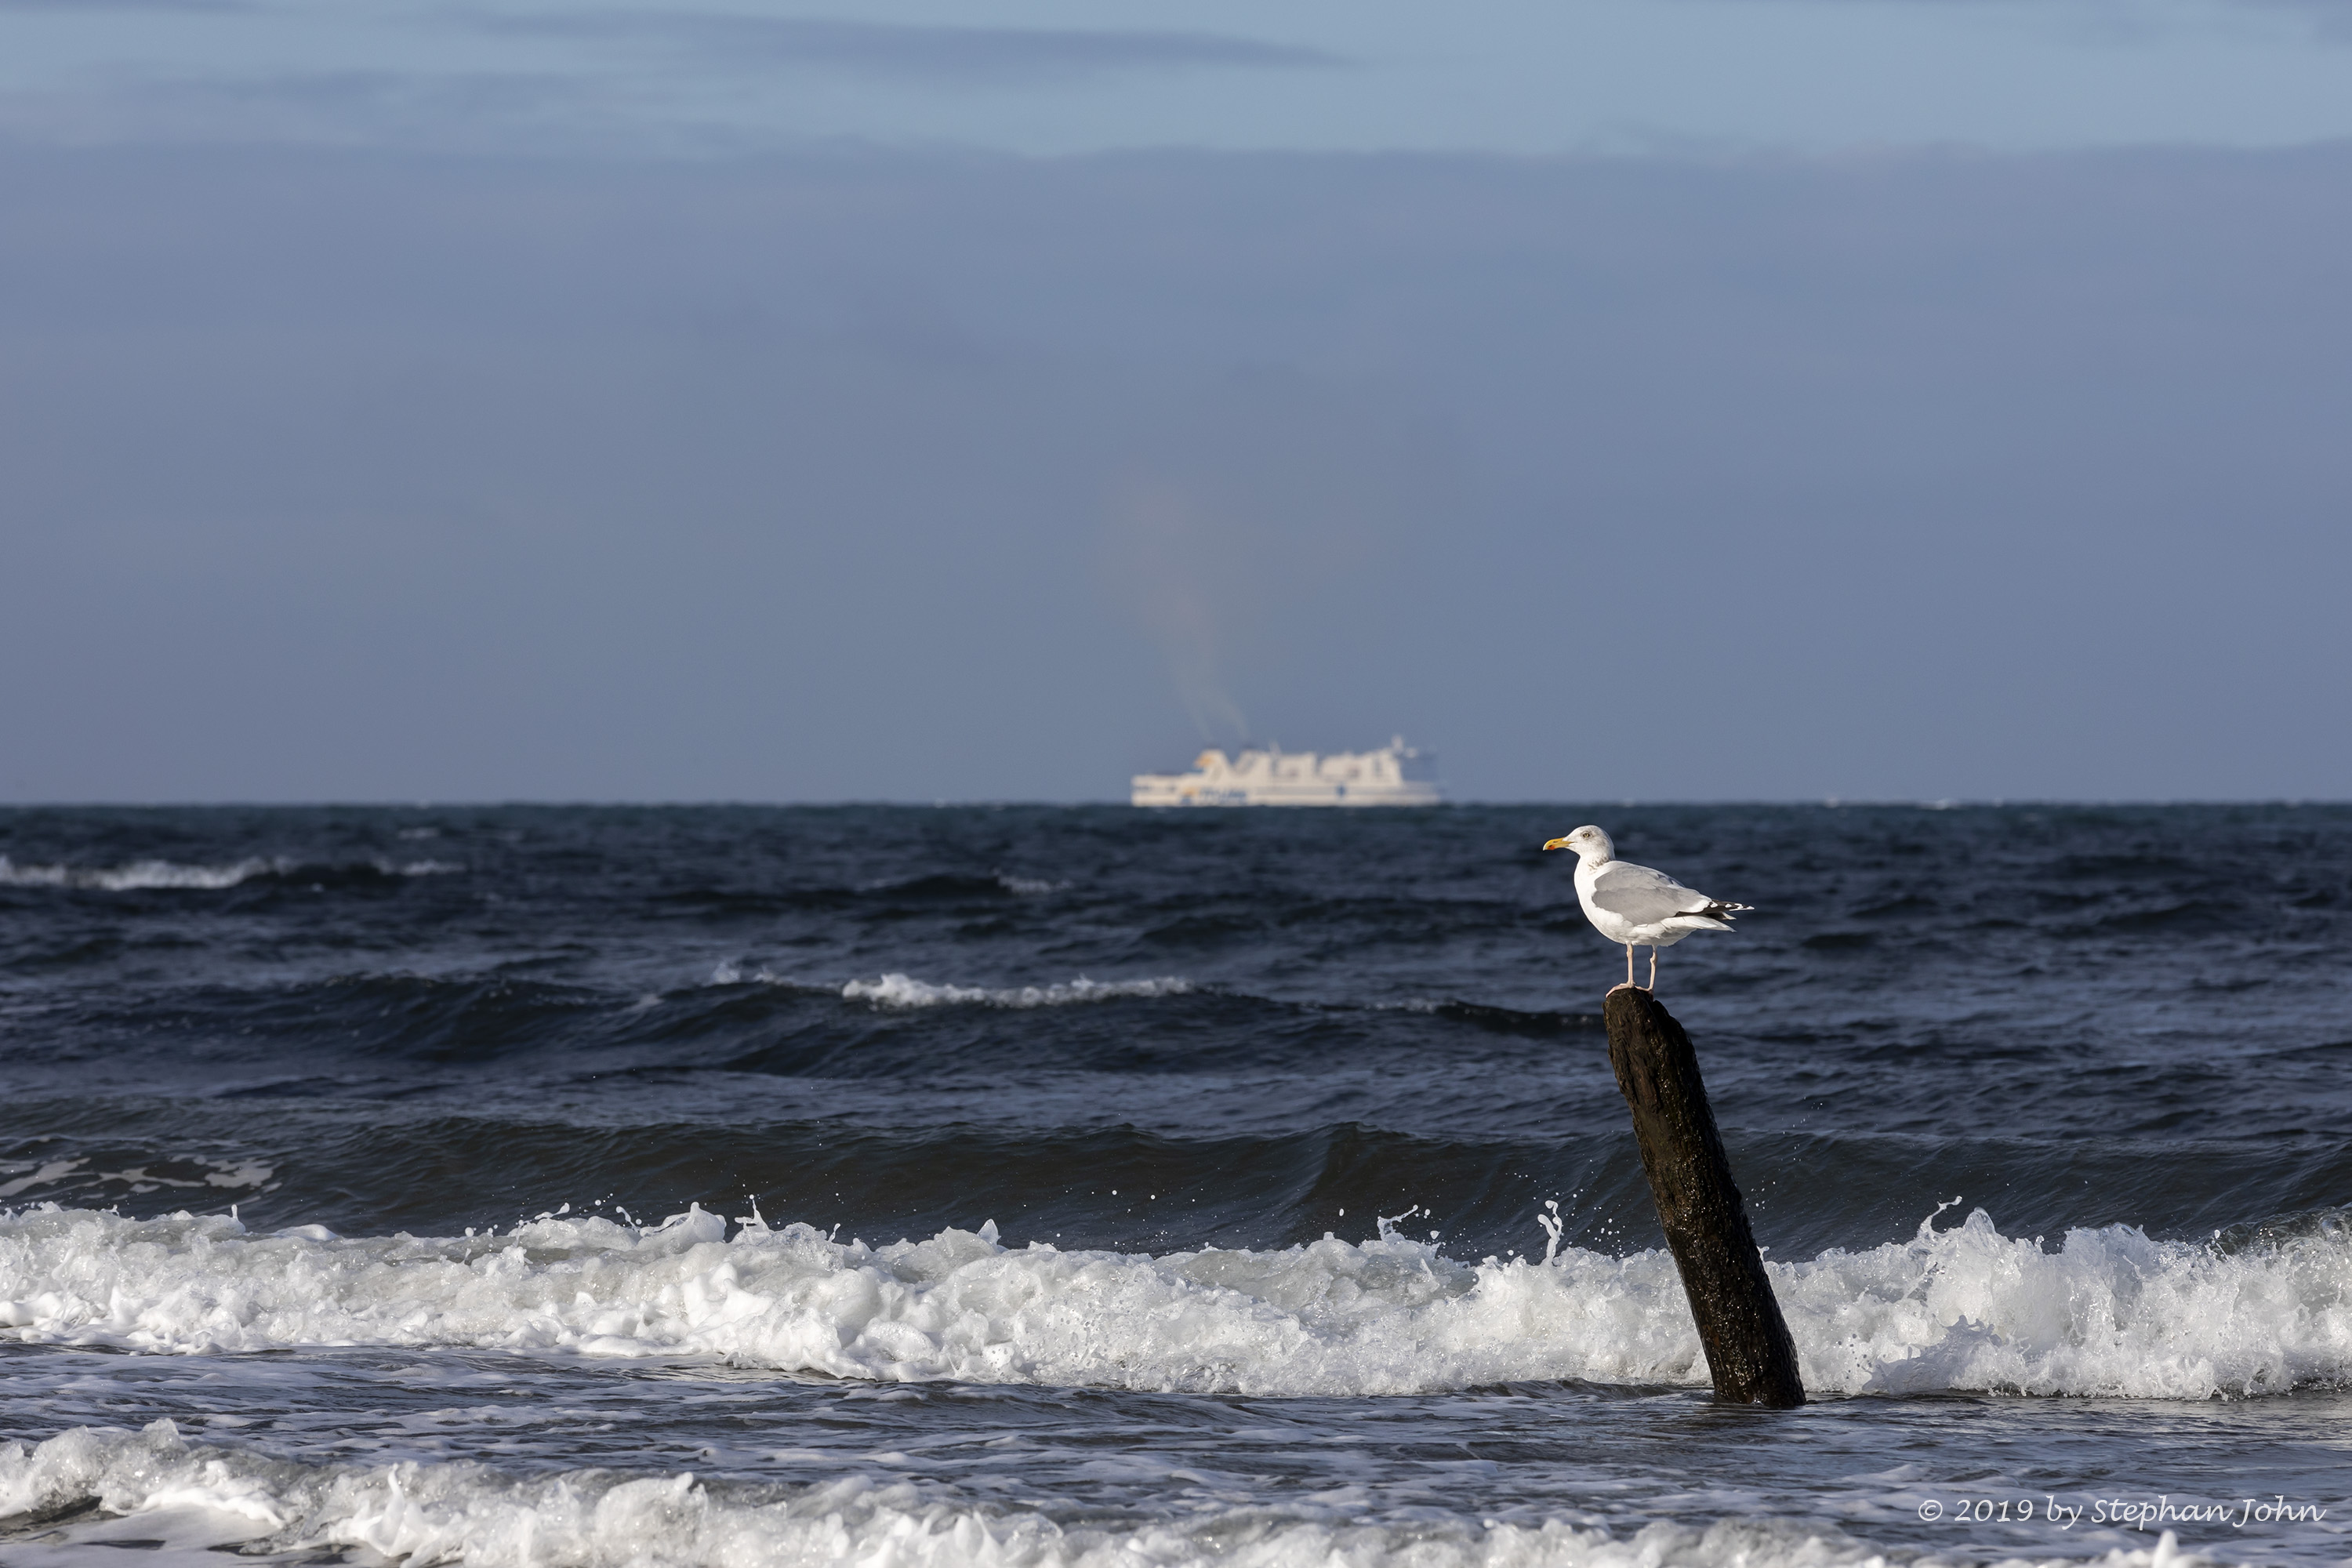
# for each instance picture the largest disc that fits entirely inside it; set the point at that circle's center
(194, 1497)
(2109, 1312)
(139, 875)
(902, 990)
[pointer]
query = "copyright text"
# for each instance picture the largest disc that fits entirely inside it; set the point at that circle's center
(2162, 1511)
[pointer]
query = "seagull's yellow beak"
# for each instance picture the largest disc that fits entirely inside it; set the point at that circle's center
(1557, 844)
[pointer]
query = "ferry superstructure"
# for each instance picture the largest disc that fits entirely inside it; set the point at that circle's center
(1395, 774)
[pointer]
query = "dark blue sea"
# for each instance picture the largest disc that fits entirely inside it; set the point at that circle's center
(1033, 1186)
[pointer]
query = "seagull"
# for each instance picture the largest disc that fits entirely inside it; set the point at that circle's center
(1636, 905)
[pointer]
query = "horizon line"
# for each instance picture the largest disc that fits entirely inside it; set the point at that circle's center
(1826, 803)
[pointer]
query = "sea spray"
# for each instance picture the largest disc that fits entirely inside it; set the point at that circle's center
(196, 1495)
(2109, 1311)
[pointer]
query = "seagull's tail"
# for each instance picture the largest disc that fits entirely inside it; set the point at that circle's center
(1710, 916)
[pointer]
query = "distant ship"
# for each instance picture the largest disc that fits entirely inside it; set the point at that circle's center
(1396, 774)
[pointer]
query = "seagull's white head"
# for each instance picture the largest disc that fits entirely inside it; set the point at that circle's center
(1591, 845)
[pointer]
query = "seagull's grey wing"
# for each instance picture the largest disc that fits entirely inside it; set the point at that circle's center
(1645, 897)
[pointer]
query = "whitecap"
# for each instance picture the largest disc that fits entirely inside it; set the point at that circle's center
(2110, 1311)
(193, 1497)
(137, 875)
(896, 990)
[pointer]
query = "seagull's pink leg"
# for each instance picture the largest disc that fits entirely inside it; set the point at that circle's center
(1629, 963)
(1653, 969)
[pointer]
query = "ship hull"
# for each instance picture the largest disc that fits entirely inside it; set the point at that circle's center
(1175, 790)
(1396, 774)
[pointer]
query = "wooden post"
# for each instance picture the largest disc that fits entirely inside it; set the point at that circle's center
(1749, 1350)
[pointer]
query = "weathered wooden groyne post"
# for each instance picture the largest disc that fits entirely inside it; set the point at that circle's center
(1749, 1350)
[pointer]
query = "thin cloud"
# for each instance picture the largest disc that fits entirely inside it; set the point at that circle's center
(927, 53)
(80, 6)
(412, 110)
(2330, 21)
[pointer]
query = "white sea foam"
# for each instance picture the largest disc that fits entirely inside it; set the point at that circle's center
(895, 990)
(2107, 1312)
(193, 1497)
(905, 991)
(18, 1177)
(139, 875)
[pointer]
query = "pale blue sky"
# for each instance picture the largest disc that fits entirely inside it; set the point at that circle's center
(1530, 76)
(1706, 399)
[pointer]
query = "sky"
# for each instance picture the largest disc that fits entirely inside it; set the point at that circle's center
(1682, 399)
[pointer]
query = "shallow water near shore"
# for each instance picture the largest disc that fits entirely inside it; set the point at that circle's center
(1040, 1185)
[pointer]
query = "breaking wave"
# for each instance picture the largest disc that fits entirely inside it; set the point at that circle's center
(194, 1497)
(894, 992)
(904, 991)
(139, 875)
(2109, 1311)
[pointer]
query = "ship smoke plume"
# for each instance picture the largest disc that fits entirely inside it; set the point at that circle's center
(1161, 560)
